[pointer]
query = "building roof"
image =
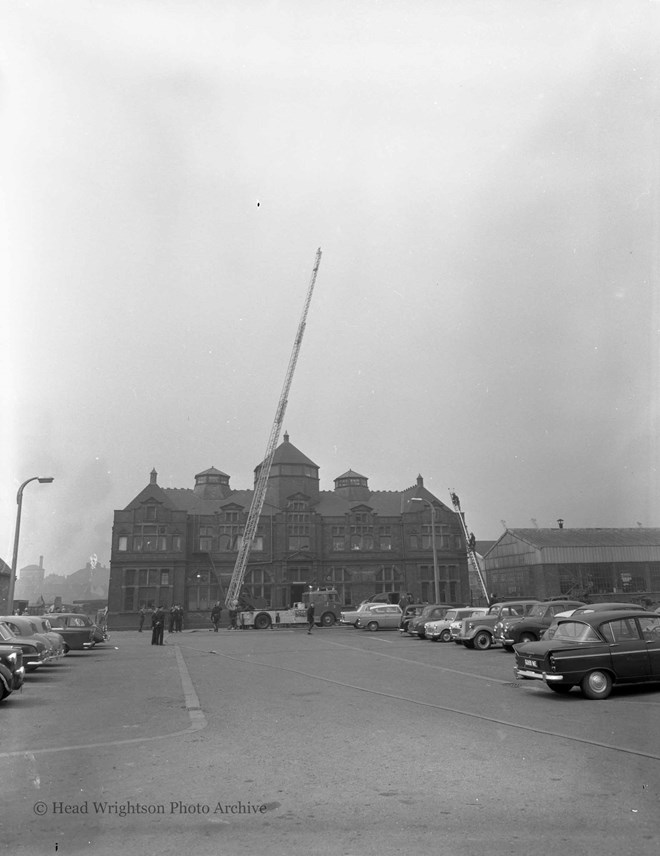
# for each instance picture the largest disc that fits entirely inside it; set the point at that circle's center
(350, 474)
(211, 472)
(287, 453)
(542, 538)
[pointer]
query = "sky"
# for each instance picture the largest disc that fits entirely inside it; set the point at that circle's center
(482, 179)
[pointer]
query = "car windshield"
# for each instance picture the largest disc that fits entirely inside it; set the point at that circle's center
(537, 610)
(16, 629)
(452, 614)
(575, 631)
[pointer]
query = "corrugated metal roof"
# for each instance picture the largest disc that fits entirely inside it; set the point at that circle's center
(543, 538)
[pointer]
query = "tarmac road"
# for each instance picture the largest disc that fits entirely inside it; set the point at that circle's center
(342, 742)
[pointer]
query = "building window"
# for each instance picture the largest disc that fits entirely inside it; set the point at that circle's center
(388, 578)
(176, 543)
(228, 539)
(146, 587)
(338, 544)
(298, 533)
(201, 589)
(258, 584)
(231, 516)
(122, 543)
(362, 537)
(150, 512)
(441, 537)
(145, 539)
(205, 545)
(340, 579)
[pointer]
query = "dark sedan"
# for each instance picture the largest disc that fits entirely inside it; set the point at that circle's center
(595, 651)
(12, 670)
(531, 627)
(78, 631)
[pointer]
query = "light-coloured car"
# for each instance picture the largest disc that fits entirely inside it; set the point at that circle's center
(384, 617)
(350, 617)
(440, 629)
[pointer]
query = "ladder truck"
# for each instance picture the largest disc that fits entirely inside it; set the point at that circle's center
(240, 568)
(469, 544)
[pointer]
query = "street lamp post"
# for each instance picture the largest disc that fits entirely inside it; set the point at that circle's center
(436, 572)
(14, 561)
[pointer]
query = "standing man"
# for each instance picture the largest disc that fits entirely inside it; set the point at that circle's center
(143, 612)
(216, 612)
(310, 617)
(178, 619)
(157, 626)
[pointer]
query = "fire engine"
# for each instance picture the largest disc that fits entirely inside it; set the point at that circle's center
(327, 610)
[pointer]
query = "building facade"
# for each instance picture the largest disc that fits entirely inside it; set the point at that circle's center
(587, 564)
(177, 545)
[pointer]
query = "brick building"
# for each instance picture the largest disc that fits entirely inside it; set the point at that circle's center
(179, 545)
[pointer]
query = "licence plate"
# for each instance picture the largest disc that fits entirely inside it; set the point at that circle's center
(531, 663)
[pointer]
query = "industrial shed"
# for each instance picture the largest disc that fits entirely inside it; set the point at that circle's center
(586, 564)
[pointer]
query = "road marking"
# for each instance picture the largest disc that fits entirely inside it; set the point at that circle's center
(197, 722)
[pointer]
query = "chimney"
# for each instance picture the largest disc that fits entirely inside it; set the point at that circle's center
(560, 523)
(153, 477)
(41, 562)
(420, 481)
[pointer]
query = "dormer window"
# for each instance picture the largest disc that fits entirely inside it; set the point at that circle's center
(150, 512)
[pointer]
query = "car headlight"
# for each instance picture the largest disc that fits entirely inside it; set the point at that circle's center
(13, 658)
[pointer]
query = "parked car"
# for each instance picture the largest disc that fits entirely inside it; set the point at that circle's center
(455, 626)
(44, 627)
(584, 610)
(26, 625)
(595, 651)
(412, 610)
(528, 628)
(431, 612)
(35, 652)
(439, 630)
(478, 632)
(12, 670)
(383, 617)
(78, 631)
(351, 616)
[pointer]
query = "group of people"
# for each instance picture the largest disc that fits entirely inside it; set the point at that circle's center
(216, 614)
(176, 618)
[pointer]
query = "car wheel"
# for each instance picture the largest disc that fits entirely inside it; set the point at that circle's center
(66, 649)
(262, 621)
(373, 625)
(596, 685)
(483, 640)
(327, 619)
(562, 689)
(527, 637)
(445, 636)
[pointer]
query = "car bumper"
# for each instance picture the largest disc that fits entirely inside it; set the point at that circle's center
(19, 678)
(528, 674)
